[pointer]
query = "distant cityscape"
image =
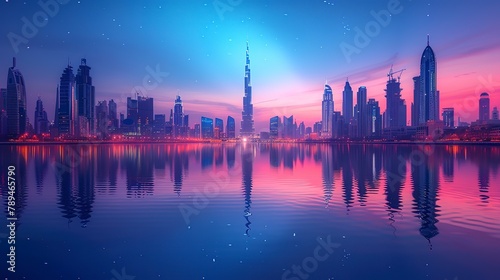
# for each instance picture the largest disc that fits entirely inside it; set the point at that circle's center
(78, 116)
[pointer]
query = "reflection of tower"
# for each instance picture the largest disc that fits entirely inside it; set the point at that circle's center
(327, 172)
(67, 199)
(246, 174)
(484, 179)
(347, 183)
(41, 166)
(177, 166)
(230, 156)
(448, 165)
(86, 185)
(425, 196)
(361, 168)
(395, 172)
(138, 164)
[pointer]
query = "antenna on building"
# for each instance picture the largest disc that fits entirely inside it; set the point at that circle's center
(427, 39)
(14, 62)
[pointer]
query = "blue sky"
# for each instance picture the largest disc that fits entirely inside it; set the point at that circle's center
(295, 46)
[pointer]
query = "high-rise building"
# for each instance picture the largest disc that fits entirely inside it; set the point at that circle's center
(247, 124)
(415, 106)
(318, 127)
(145, 114)
(327, 111)
(207, 128)
(40, 119)
(67, 111)
(274, 124)
(219, 125)
(288, 127)
(159, 125)
(3, 112)
(102, 118)
(374, 117)
(197, 130)
(484, 107)
(178, 117)
(428, 101)
(113, 116)
(132, 117)
(361, 113)
(301, 130)
(85, 96)
(231, 128)
(494, 113)
(185, 126)
(347, 96)
(449, 117)
(395, 116)
(16, 102)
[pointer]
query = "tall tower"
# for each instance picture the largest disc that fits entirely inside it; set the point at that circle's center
(85, 96)
(16, 102)
(40, 120)
(347, 102)
(429, 96)
(361, 114)
(178, 117)
(327, 111)
(395, 115)
(247, 125)
(484, 107)
(66, 103)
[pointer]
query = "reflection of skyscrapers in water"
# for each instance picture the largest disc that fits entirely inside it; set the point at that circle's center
(483, 174)
(246, 174)
(75, 183)
(326, 155)
(395, 175)
(179, 163)
(138, 163)
(425, 179)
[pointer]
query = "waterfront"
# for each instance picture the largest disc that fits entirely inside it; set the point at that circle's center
(253, 211)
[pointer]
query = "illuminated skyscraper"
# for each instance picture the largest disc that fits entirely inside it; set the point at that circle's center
(395, 115)
(40, 120)
(66, 103)
(327, 112)
(449, 117)
(494, 113)
(16, 102)
(178, 117)
(247, 124)
(484, 107)
(428, 101)
(362, 114)
(231, 128)
(207, 128)
(347, 102)
(85, 96)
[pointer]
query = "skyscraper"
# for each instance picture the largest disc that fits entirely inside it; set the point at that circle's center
(66, 103)
(85, 96)
(428, 101)
(219, 125)
(178, 117)
(484, 107)
(159, 125)
(247, 124)
(494, 113)
(101, 112)
(145, 114)
(231, 128)
(3, 112)
(40, 119)
(374, 117)
(113, 117)
(327, 111)
(347, 102)
(415, 106)
(288, 128)
(362, 114)
(274, 124)
(207, 128)
(16, 102)
(395, 116)
(132, 116)
(449, 117)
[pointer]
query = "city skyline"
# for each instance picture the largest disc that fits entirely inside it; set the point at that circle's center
(275, 92)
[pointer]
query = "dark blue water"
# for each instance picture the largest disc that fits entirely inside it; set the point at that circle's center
(253, 211)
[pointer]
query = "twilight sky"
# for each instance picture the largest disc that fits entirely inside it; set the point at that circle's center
(294, 47)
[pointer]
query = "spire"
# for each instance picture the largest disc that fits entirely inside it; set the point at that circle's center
(14, 62)
(427, 39)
